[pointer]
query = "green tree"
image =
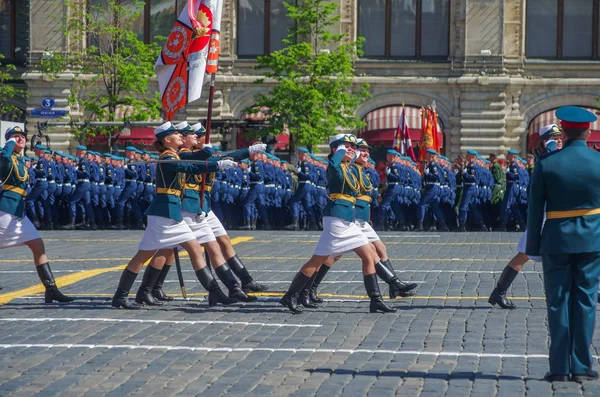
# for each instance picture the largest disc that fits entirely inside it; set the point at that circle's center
(314, 92)
(113, 69)
(7, 91)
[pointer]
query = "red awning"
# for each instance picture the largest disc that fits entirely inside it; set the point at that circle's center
(382, 125)
(549, 118)
(386, 137)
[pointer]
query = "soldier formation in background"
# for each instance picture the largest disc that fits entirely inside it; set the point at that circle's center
(104, 191)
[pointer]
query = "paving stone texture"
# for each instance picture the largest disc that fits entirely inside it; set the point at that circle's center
(446, 341)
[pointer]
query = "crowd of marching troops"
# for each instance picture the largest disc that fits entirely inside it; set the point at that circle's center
(94, 190)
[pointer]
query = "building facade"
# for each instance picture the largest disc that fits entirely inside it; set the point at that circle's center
(496, 69)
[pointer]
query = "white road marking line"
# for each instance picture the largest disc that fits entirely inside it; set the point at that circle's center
(139, 321)
(200, 300)
(296, 271)
(35, 271)
(396, 236)
(288, 281)
(275, 350)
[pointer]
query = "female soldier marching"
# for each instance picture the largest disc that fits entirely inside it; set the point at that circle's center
(15, 228)
(166, 228)
(195, 216)
(383, 267)
(340, 233)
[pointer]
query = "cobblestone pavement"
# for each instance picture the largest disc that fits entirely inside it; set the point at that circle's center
(446, 341)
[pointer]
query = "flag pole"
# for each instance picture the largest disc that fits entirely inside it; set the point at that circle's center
(211, 68)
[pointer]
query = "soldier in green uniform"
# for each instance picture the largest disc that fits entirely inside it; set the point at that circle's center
(565, 188)
(499, 185)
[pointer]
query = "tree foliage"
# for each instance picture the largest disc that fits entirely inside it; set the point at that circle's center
(7, 91)
(314, 92)
(113, 67)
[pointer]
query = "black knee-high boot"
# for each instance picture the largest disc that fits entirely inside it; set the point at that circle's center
(377, 303)
(144, 293)
(248, 283)
(290, 299)
(157, 291)
(312, 293)
(215, 295)
(304, 298)
(120, 297)
(498, 295)
(235, 292)
(386, 272)
(52, 292)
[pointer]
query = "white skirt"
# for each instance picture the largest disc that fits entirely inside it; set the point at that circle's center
(215, 224)
(522, 246)
(339, 236)
(367, 230)
(16, 231)
(165, 233)
(201, 230)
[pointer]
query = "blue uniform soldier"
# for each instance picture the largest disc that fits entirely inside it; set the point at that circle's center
(512, 197)
(303, 195)
(432, 178)
(565, 189)
(129, 191)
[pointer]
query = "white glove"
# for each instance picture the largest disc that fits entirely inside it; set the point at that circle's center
(426, 170)
(356, 156)
(341, 147)
(388, 170)
(12, 140)
(226, 164)
(257, 148)
(206, 145)
(464, 170)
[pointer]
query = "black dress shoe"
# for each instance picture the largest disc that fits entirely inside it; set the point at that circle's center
(591, 375)
(550, 377)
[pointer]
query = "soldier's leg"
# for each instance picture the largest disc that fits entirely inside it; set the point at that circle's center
(586, 271)
(506, 279)
(44, 272)
(236, 264)
(558, 281)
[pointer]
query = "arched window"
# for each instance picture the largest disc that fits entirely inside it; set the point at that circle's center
(14, 30)
(562, 29)
(404, 28)
(261, 26)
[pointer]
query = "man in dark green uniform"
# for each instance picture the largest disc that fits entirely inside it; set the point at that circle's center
(566, 187)
(499, 187)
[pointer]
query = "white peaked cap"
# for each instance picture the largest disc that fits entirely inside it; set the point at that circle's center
(182, 125)
(337, 138)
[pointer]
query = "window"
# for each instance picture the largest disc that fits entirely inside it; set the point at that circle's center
(7, 29)
(404, 28)
(562, 29)
(14, 30)
(262, 25)
(156, 17)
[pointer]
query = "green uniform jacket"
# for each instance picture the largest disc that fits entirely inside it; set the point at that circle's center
(567, 179)
(190, 200)
(499, 183)
(13, 201)
(363, 207)
(337, 184)
(168, 176)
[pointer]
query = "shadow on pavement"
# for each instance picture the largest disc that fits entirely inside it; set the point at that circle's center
(421, 375)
